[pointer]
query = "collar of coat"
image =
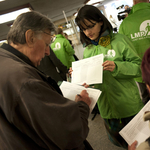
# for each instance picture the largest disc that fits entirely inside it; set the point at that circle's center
(139, 6)
(59, 36)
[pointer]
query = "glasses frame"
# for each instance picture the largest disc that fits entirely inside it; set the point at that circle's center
(89, 28)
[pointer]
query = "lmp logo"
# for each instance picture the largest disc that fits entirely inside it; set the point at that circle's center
(57, 46)
(143, 33)
(111, 53)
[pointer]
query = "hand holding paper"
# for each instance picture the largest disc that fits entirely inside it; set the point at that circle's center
(70, 91)
(83, 96)
(133, 146)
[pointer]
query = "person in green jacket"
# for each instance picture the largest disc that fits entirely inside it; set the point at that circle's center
(136, 27)
(119, 101)
(62, 49)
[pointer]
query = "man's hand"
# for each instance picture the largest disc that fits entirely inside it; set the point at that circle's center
(133, 146)
(109, 65)
(83, 96)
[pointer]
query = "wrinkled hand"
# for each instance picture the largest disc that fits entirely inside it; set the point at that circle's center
(133, 146)
(109, 65)
(84, 96)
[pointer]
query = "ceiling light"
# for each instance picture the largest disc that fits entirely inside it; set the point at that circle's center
(12, 15)
(93, 1)
(2, 0)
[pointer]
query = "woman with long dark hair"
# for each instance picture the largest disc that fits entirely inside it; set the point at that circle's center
(120, 100)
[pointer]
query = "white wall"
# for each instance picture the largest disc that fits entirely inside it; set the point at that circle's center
(110, 8)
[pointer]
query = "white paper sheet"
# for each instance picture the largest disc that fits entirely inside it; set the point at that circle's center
(89, 70)
(137, 128)
(70, 90)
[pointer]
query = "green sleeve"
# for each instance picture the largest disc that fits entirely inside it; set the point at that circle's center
(68, 48)
(130, 67)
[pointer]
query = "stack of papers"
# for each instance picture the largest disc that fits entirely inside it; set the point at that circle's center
(89, 71)
(70, 90)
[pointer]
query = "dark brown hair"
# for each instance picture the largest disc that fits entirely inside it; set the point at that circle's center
(91, 13)
(59, 31)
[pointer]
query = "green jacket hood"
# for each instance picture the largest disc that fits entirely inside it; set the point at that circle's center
(59, 36)
(139, 6)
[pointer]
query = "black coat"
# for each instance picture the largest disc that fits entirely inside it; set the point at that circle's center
(75, 57)
(53, 67)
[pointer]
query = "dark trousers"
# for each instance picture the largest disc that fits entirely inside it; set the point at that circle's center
(113, 127)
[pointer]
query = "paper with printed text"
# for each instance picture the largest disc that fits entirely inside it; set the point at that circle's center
(89, 70)
(137, 128)
(70, 90)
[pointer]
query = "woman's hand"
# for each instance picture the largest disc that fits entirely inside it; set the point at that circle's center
(85, 85)
(109, 65)
(70, 71)
(133, 146)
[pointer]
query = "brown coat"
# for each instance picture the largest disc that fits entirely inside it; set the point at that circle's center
(33, 113)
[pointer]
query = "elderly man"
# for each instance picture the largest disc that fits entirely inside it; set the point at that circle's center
(135, 26)
(33, 113)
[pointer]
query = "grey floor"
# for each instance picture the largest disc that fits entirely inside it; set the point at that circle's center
(97, 136)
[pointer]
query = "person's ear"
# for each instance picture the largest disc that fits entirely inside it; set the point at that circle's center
(29, 35)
